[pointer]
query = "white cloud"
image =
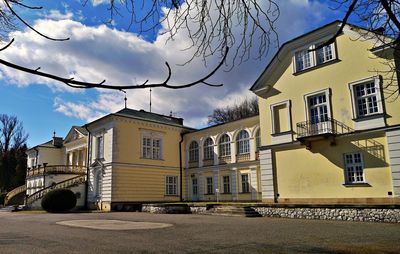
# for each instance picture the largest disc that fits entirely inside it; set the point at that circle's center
(97, 53)
(57, 15)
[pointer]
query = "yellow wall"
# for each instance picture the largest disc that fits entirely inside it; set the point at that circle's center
(143, 179)
(141, 184)
(356, 63)
(319, 172)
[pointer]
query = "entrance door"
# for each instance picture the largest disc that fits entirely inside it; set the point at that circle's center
(318, 115)
(195, 189)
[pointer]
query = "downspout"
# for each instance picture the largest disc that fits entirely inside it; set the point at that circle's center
(180, 168)
(87, 168)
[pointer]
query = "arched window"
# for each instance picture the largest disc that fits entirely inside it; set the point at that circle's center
(208, 149)
(243, 142)
(193, 152)
(258, 140)
(225, 146)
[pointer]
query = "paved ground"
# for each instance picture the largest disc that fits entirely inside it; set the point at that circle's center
(39, 233)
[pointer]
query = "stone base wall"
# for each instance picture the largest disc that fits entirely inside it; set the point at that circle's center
(345, 214)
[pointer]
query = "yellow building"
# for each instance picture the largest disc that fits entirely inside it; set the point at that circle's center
(135, 157)
(222, 162)
(329, 131)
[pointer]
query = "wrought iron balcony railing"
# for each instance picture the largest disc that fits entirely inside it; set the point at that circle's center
(330, 126)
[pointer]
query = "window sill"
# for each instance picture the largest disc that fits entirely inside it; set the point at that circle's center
(143, 158)
(357, 184)
(209, 194)
(247, 192)
(172, 195)
(281, 133)
(226, 193)
(317, 66)
(369, 117)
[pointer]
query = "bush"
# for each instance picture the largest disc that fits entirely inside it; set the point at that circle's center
(60, 200)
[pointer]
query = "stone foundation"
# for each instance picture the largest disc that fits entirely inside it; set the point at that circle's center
(345, 214)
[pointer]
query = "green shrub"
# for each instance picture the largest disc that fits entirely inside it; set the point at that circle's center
(60, 200)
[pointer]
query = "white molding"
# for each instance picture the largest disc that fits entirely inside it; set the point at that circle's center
(327, 92)
(280, 139)
(369, 121)
(288, 105)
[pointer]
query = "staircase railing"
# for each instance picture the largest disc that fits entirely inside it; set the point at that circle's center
(61, 185)
(13, 193)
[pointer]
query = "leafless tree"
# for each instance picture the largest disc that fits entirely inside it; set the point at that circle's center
(12, 152)
(213, 27)
(247, 108)
(12, 134)
(381, 20)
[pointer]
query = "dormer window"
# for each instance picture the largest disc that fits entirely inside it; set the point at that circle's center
(308, 57)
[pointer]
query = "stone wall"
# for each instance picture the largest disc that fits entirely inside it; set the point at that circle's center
(345, 214)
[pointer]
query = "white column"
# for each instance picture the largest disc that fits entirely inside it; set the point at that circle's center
(253, 182)
(252, 149)
(216, 154)
(393, 139)
(216, 183)
(201, 155)
(267, 181)
(233, 151)
(200, 186)
(188, 192)
(234, 188)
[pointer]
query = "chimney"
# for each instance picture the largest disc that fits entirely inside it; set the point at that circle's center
(57, 141)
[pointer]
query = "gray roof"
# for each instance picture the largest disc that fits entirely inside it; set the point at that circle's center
(144, 115)
(81, 130)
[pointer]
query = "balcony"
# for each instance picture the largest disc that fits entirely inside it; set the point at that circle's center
(224, 159)
(208, 162)
(243, 157)
(56, 169)
(193, 164)
(309, 131)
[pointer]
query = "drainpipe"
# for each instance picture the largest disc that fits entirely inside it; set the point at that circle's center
(87, 168)
(180, 168)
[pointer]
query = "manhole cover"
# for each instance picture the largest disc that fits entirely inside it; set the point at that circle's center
(113, 224)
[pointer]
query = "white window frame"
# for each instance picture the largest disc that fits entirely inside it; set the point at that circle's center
(208, 149)
(210, 185)
(378, 95)
(152, 152)
(173, 184)
(354, 165)
(99, 147)
(327, 93)
(194, 152)
(313, 55)
(245, 183)
(243, 143)
(333, 53)
(226, 145)
(226, 184)
(288, 105)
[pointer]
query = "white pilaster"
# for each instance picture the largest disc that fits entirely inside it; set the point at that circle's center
(267, 181)
(393, 140)
(234, 189)
(253, 182)
(233, 151)
(252, 149)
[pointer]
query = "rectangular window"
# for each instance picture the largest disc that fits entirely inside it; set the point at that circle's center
(354, 168)
(171, 185)
(99, 147)
(310, 57)
(303, 60)
(324, 54)
(245, 183)
(227, 184)
(366, 99)
(210, 186)
(151, 148)
(194, 187)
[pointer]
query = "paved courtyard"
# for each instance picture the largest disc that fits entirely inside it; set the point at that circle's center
(40, 233)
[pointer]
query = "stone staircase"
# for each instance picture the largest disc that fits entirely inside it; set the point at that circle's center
(34, 199)
(232, 210)
(13, 195)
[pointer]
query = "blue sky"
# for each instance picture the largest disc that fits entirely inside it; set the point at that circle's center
(97, 51)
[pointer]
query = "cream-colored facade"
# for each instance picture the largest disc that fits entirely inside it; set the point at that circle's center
(222, 162)
(329, 132)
